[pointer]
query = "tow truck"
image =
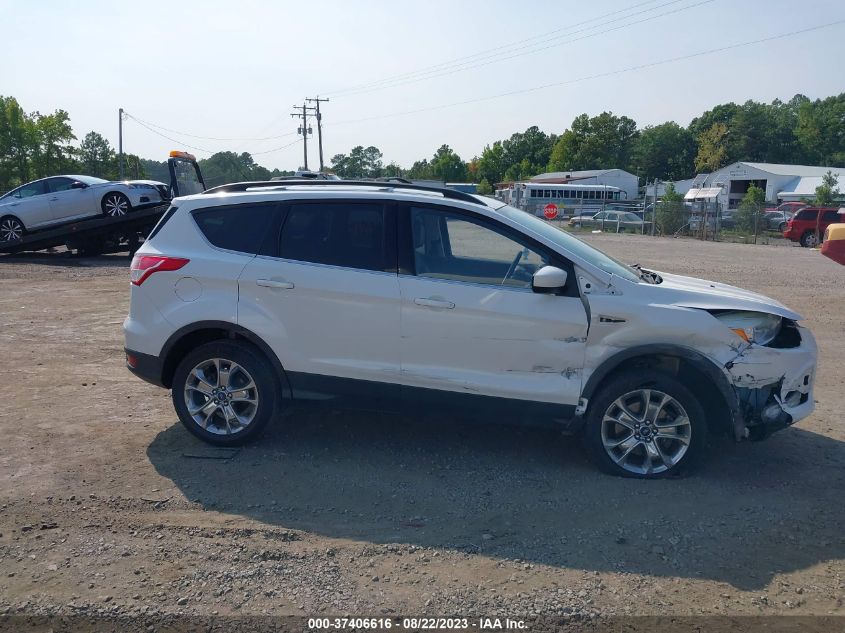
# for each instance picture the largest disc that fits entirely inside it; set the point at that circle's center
(106, 234)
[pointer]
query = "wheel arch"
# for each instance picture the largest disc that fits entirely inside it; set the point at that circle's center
(110, 192)
(191, 336)
(3, 216)
(700, 374)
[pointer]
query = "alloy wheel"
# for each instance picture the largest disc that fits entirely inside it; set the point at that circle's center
(646, 431)
(221, 396)
(11, 230)
(116, 205)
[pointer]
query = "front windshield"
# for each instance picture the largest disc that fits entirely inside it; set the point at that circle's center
(570, 243)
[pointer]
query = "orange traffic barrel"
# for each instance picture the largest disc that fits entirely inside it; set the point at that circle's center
(834, 243)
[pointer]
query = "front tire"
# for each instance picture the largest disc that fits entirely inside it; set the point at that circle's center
(115, 205)
(645, 424)
(225, 392)
(809, 240)
(11, 230)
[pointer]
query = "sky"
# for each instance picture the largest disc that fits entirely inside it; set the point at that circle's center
(405, 77)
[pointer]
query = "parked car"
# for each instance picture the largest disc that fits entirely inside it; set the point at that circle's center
(450, 302)
(788, 207)
(50, 201)
(777, 220)
(809, 224)
(611, 221)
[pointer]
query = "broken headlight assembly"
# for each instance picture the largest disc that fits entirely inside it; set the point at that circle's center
(752, 327)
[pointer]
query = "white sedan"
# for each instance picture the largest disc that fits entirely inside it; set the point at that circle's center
(51, 201)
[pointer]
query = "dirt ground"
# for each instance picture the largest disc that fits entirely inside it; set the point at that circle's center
(109, 507)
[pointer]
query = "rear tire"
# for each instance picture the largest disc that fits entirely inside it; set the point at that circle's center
(115, 205)
(11, 230)
(225, 392)
(626, 437)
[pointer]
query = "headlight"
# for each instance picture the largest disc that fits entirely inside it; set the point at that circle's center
(134, 185)
(752, 327)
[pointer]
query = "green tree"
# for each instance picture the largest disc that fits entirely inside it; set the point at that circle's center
(827, 193)
(360, 163)
(96, 156)
(491, 164)
(52, 151)
(605, 141)
(665, 151)
(670, 211)
(751, 208)
(392, 170)
(821, 131)
(712, 148)
(533, 147)
(421, 170)
(448, 166)
(484, 187)
(225, 167)
(17, 143)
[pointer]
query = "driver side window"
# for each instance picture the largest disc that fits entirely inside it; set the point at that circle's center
(458, 248)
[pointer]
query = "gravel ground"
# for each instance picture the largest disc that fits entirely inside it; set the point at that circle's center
(109, 508)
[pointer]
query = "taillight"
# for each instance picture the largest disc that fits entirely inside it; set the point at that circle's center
(145, 265)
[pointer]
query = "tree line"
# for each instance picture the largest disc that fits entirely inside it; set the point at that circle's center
(798, 131)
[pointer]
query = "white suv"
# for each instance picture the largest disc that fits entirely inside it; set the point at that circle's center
(399, 297)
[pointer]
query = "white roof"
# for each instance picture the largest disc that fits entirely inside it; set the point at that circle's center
(584, 173)
(706, 193)
(801, 186)
(790, 170)
(533, 184)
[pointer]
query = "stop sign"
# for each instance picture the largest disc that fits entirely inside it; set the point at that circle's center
(550, 211)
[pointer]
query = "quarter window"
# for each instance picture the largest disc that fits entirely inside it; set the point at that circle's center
(453, 247)
(243, 228)
(352, 235)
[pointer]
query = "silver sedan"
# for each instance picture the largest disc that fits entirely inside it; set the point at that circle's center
(612, 221)
(51, 201)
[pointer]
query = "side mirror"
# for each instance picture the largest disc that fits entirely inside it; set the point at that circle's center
(548, 280)
(77, 185)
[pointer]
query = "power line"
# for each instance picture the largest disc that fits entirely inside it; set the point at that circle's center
(275, 149)
(200, 149)
(173, 140)
(598, 75)
(527, 47)
(211, 138)
(480, 53)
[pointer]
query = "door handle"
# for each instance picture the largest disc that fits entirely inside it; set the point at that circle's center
(434, 303)
(274, 283)
(53, 199)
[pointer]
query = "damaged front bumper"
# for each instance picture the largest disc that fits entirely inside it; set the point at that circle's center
(773, 385)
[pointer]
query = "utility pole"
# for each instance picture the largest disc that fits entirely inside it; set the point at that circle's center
(319, 116)
(120, 141)
(303, 129)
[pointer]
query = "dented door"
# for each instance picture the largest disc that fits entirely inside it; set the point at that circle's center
(470, 322)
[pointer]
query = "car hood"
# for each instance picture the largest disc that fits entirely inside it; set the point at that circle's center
(690, 292)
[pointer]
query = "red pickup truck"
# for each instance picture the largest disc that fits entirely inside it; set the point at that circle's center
(808, 225)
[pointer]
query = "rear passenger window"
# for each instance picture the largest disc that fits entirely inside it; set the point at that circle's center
(243, 228)
(348, 234)
(831, 216)
(807, 214)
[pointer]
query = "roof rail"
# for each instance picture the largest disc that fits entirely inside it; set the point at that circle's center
(451, 194)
